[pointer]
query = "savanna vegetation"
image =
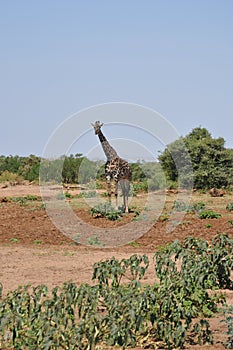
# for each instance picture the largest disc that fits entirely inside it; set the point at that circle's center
(119, 310)
(211, 162)
(211, 165)
(197, 158)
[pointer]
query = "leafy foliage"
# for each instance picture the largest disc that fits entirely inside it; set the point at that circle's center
(203, 265)
(139, 187)
(21, 167)
(25, 199)
(117, 309)
(180, 206)
(229, 322)
(87, 194)
(77, 169)
(12, 178)
(208, 214)
(211, 161)
(106, 210)
(94, 240)
(190, 208)
(229, 206)
(196, 207)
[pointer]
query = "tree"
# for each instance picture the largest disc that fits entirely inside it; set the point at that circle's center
(78, 169)
(211, 161)
(30, 167)
(177, 165)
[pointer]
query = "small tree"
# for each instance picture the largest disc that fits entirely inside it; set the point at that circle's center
(211, 161)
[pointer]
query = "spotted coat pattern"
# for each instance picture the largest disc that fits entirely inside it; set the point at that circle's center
(116, 168)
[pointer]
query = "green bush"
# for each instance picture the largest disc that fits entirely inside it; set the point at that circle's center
(87, 194)
(196, 207)
(180, 206)
(229, 206)
(138, 187)
(13, 178)
(190, 208)
(208, 214)
(209, 165)
(204, 265)
(106, 210)
(228, 312)
(68, 195)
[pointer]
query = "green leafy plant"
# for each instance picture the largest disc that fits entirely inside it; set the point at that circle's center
(94, 240)
(190, 208)
(134, 244)
(202, 332)
(208, 214)
(204, 264)
(14, 240)
(87, 194)
(32, 197)
(106, 210)
(23, 201)
(68, 195)
(228, 312)
(43, 206)
(117, 309)
(196, 207)
(229, 206)
(37, 241)
(138, 187)
(164, 217)
(20, 200)
(180, 206)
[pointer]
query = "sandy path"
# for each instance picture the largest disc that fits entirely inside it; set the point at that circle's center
(51, 266)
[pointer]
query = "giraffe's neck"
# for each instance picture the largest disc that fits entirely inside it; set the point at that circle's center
(108, 149)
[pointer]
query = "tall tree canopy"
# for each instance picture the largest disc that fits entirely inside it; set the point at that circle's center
(212, 163)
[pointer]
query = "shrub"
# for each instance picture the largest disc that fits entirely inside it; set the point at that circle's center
(196, 207)
(106, 210)
(87, 194)
(228, 312)
(68, 195)
(180, 206)
(12, 178)
(19, 200)
(190, 208)
(229, 206)
(139, 187)
(209, 214)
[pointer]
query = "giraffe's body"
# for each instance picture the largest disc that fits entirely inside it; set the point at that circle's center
(116, 168)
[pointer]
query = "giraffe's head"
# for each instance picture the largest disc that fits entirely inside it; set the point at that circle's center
(97, 126)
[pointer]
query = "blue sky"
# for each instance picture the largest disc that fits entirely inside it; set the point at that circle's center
(58, 57)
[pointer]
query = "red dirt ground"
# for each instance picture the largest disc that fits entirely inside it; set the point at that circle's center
(33, 251)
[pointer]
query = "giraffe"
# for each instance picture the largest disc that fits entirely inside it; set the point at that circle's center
(116, 168)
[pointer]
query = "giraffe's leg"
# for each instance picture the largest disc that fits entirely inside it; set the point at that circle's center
(116, 193)
(126, 205)
(125, 189)
(123, 183)
(108, 182)
(124, 202)
(109, 191)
